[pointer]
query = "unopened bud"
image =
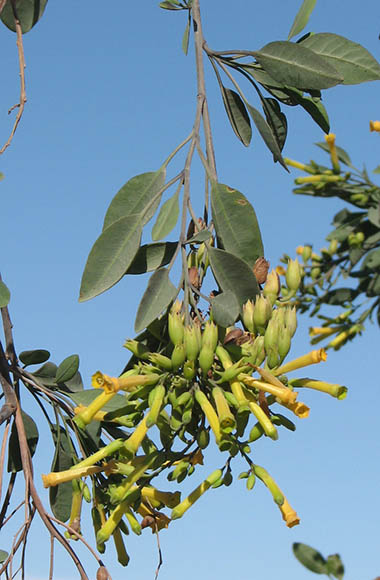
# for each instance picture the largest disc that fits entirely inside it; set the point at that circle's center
(272, 287)
(290, 318)
(293, 275)
(247, 316)
(306, 253)
(175, 323)
(284, 342)
(262, 313)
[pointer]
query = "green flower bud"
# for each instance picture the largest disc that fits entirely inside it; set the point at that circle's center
(315, 273)
(247, 316)
(271, 335)
(175, 323)
(192, 341)
(137, 348)
(178, 356)
(161, 361)
(306, 253)
(272, 287)
(293, 275)
(284, 342)
(262, 313)
(290, 319)
(189, 370)
(333, 247)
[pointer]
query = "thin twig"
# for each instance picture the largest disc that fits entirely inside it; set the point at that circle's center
(7, 498)
(21, 61)
(2, 454)
(160, 560)
(79, 537)
(51, 565)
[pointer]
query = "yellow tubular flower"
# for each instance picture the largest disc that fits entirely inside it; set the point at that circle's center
(313, 357)
(337, 391)
(182, 507)
(330, 140)
(55, 478)
(320, 178)
(267, 425)
(299, 409)
(374, 126)
(322, 331)
(284, 394)
(122, 554)
(133, 442)
(129, 383)
(85, 416)
(289, 515)
(166, 497)
(209, 412)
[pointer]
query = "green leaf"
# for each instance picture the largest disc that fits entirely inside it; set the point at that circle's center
(302, 17)
(352, 61)
(170, 5)
(335, 566)
(5, 295)
(152, 256)
(167, 218)
(200, 237)
(339, 296)
(71, 385)
(276, 120)
(60, 496)
(372, 260)
(46, 374)
(234, 275)
(315, 109)
(31, 432)
(310, 558)
(67, 369)
(136, 197)
(374, 286)
(342, 154)
(267, 135)
(111, 256)
(236, 223)
(186, 35)
(3, 556)
(225, 309)
(377, 169)
(237, 115)
(158, 295)
(34, 357)
(374, 215)
(295, 65)
(1, 176)
(29, 13)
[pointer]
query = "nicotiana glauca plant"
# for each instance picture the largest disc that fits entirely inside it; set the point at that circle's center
(344, 274)
(205, 367)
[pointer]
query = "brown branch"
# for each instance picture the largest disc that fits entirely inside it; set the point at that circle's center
(21, 60)
(2, 4)
(27, 469)
(74, 532)
(16, 545)
(2, 455)
(7, 498)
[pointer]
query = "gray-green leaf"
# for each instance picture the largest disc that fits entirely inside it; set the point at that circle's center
(237, 115)
(34, 357)
(140, 195)
(186, 35)
(29, 13)
(225, 309)
(60, 496)
(266, 133)
(67, 369)
(234, 275)
(335, 566)
(5, 295)
(276, 120)
(302, 17)
(111, 256)
(152, 256)
(31, 432)
(310, 558)
(295, 65)
(167, 218)
(236, 223)
(158, 295)
(352, 61)
(315, 109)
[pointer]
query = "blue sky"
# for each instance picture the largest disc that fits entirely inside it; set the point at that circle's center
(110, 94)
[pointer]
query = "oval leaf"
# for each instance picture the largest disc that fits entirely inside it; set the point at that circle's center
(67, 369)
(352, 61)
(339, 296)
(60, 496)
(34, 357)
(315, 109)
(167, 218)
(46, 374)
(29, 13)
(225, 309)
(158, 295)
(302, 17)
(335, 566)
(140, 195)
(110, 256)
(5, 295)
(236, 223)
(267, 135)
(295, 65)
(237, 114)
(310, 558)
(152, 256)
(31, 432)
(234, 275)
(3, 556)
